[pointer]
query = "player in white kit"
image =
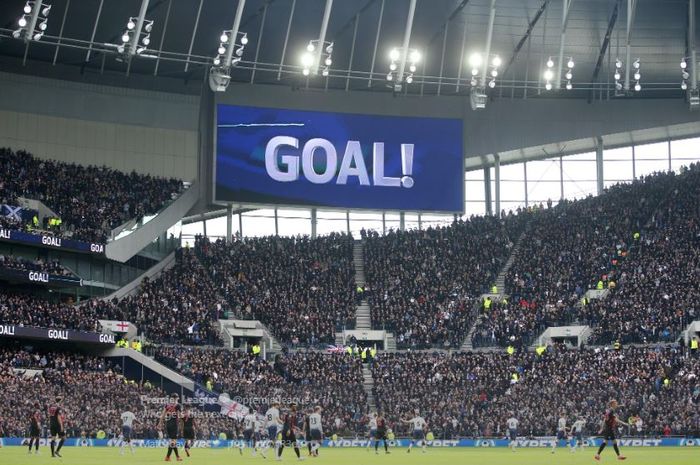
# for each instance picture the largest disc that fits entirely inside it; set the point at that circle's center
(128, 418)
(316, 430)
(561, 431)
(577, 433)
(418, 424)
(273, 424)
(512, 424)
(372, 429)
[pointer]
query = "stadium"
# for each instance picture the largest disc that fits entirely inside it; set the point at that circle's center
(369, 231)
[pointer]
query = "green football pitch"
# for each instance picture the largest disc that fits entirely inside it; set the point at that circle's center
(353, 456)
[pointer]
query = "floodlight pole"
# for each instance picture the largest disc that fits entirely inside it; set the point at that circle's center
(322, 35)
(139, 27)
(566, 7)
(33, 20)
(489, 36)
(234, 34)
(631, 8)
(406, 40)
(691, 45)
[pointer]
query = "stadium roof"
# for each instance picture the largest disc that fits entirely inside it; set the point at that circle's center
(186, 33)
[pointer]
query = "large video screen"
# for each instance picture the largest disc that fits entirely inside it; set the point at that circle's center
(270, 156)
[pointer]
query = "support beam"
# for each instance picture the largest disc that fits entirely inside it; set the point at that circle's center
(631, 9)
(487, 190)
(194, 35)
(31, 26)
(136, 36)
(94, 31)
(257, 46)
(604, 47)
(528, 33)
(489, 37)
(402, 221)
(162, 37)
(497, 184)
(352, 52)
(600, 175)
(60, 33)
(691, 46)
(376, 43)
(286, 39)
(322, 35)
(314, 222)
(234, 33)
(229, 223)
(407, 39)
(566, 5)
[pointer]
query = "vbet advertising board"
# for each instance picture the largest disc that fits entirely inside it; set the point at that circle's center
(269, 156)
(362, 443)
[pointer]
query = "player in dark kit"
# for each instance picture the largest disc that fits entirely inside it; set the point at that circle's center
(307, 430)
(607, 430)
(381, 434)
(56, 427)
(289, 433)
(188, 429)
(170, 418)
(34, 430)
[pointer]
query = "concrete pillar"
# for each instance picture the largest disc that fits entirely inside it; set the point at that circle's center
(313, 222)
(229, 222)
(487, 191)
(600, 177)
(497, 173)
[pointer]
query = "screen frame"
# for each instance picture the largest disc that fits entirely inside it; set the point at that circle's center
(262, 205)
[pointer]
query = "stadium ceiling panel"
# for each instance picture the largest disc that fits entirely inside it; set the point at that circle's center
(527, 33)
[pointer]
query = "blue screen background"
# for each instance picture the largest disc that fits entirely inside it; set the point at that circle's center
(437, 159)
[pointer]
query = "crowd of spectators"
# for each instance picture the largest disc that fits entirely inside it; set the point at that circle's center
(181, 305)
(91, 200)
(569, 249)
(18, 308)
(473, 394)
(657, 295)
(53, 267)
(452, 391)
(422, 284)
(94, 395)
(333, 381)
(302, 289)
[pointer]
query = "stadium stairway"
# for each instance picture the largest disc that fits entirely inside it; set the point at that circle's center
(136, 365)
(501, 286)
(131, 241)
(368, 385)
(362, 312)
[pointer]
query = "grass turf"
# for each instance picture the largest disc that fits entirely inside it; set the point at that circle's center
(15, 455)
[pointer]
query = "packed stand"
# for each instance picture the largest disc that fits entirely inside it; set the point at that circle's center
(657, 294)
(94, 393)
(333, 381)
(454, 391)
(423, 284)
(302, 289)
(473, 394)
(91, 200)
(18, 308)
(569, 249)
(179, 306)
(53, 267)
(657, 385)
